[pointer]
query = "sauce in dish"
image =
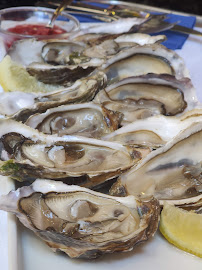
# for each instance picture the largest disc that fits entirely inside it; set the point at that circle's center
(36, 30)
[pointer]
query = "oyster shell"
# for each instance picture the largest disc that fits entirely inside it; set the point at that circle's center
(83, 56)
(53, 62)
(151, 94)
(123, 40)
(154, 131)
(171, 173)
(139, 38)
(141, 60)
(26, 104)
(87, 119)
(62, 62)
(80, 222)
(116, 27)
(61, 75)
(27, 154)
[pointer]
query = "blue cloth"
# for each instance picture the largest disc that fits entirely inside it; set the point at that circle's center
(175, 40)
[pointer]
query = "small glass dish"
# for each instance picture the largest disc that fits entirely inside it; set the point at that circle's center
(33, 16)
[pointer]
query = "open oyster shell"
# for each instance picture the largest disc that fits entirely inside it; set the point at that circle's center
(171, 173)
(154, 131)
(80, 222)
(141, 60)
(53, 62)
(27, 154)
(62, 61)
(151, 94)
(26, 104)
(86, 119)
(123, 40)
(116, 27)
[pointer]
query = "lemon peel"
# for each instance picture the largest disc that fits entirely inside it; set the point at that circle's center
(182, 228)
(14, 77)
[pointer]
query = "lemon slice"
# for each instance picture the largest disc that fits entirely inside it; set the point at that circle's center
(182, 228)
(14, 77)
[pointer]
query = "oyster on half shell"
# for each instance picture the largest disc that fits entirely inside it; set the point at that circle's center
(25, 104)
(53, 62)
(116, 27)
(141, 60)
(154, 131)
(81, 222)
(63, 62)
(122, 41)
(86, 119)
(171, 173)
(151, 94)
(27, 154)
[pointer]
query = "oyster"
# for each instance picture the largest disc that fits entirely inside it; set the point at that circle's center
(59, 62)
(171, 173)
(139, 38)
(151, 94)
(62, 62)
(154, 131)
(61, 52)
(27, 154)
(53, 62)
(83, 55)
(87, 119)
(81, 222)
(123, 40)
(141, 60)
(26, 104)
(116, 27)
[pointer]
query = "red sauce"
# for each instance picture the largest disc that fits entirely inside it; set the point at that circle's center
(36, 30)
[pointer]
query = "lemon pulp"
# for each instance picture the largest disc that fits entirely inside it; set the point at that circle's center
(14, 77)
(182, 228)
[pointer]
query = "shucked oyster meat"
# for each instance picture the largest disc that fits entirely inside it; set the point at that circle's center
(27, 154)
(116, 27)
(151, 94)
(154, 131)
(62, 62)
(141, 60)
(171, 173)
(59, 64)
(86, 119)
(26, 52)
(102, 43)
(80, 222)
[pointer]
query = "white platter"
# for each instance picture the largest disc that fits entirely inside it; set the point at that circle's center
(21, 250)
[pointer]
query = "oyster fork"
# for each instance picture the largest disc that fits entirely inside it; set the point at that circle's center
(57, 12)
(154, 24)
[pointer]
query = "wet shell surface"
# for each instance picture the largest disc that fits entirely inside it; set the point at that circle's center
(86, 119)
(154, 131)
(27, 154)
(60, 62)
(141, 60)
(80, 222)
(151, 94)
(22, 105)
(171, 173)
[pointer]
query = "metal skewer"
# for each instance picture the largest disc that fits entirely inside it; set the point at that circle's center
(57, 12)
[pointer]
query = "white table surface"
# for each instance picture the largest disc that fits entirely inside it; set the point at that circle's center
(192, 55)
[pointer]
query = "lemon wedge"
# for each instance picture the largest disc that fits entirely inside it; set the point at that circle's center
(182, 228)
(14, 77)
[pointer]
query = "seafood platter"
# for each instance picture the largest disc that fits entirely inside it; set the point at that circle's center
(98, 133)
